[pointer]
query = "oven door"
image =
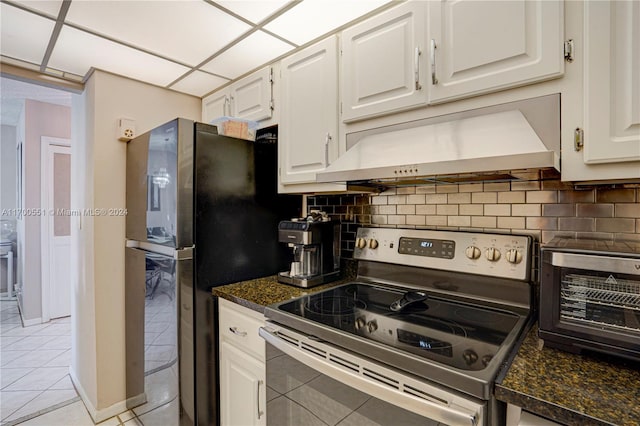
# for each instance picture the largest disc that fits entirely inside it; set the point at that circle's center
(590, 302)
(310, 382)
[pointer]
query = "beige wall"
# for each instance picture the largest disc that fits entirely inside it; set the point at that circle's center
(99, 360)
(40, 119)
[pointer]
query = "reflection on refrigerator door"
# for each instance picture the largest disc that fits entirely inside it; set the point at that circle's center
(152, 365)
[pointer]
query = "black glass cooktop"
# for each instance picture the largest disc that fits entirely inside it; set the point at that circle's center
(452, 332)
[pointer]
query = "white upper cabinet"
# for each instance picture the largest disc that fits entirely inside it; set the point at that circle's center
(612, 82)
(251, 97)
(308, 132)
(478, 47)
(384, 63)
(215, 105)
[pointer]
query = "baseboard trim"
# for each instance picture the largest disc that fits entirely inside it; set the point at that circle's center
(97, 415)
(30, 322)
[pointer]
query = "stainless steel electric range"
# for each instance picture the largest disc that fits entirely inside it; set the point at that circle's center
(418, 338)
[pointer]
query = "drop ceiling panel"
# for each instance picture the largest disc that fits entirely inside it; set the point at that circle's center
(23, 35)
(253, 10)
(313, 18)
(199, 83)
(48, 7)
(187, 31)
(255, 50)
(77, 51)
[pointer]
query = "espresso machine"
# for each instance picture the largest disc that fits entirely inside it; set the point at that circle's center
(315, 242)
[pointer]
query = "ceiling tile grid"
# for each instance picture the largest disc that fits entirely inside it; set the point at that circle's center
(191, 46)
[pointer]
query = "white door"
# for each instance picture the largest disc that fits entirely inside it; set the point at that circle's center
(251, 96)
(308, 137)
(383, 63)
(215, 105)
(482, 46)
(612, 81)
(56, 229)
(242, 380)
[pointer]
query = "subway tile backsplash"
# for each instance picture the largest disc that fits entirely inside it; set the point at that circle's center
(543, 209)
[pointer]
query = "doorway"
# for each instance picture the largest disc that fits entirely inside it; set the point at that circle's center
(56, 227)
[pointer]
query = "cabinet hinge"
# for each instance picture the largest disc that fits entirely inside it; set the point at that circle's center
(578, 139)
(568, 50)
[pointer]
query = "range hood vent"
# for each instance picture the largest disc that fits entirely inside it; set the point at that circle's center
(498, 143)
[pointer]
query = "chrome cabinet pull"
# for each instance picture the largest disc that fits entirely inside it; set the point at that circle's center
(434, 79)
(327, 140)
(226, 107)
(258, 384)
(237, 332)
(416, 68)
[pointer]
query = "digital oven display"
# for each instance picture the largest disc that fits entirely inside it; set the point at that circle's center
(444, 249)
(424, 342)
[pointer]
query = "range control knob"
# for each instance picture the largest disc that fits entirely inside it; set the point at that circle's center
(492, 254)
(486, 359)
(360, 323)
(469, 356)
(372, 326)
(514, 256)
(373, 243)
(472, 252)
(361, 243)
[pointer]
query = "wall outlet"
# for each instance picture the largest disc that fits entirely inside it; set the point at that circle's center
(126, 129)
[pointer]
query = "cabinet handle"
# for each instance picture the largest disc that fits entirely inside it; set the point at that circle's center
(258, 384)
(416, 68)
(224, 106)
(237, 332)
(327, 140)
(434, 79)
(231, 106)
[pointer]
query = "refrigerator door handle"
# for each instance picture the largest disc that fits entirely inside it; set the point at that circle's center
(184, 253)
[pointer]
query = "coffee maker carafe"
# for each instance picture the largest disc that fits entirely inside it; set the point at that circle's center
(315, 242)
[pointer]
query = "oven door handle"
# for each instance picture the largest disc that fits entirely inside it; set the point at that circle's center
(614, 265)
(438, 412)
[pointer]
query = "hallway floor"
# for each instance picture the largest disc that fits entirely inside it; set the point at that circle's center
(35, 386)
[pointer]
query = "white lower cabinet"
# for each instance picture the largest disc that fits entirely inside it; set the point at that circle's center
(516, 416)
(242, 383)
(243, 395)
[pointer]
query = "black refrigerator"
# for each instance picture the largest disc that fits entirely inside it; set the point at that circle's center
(202, 211)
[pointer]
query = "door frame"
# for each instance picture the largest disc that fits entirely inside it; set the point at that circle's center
(46, 191)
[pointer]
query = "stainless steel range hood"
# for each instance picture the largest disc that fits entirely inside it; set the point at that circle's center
(496, 143)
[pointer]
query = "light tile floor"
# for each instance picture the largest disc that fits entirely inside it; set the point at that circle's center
(35, 387)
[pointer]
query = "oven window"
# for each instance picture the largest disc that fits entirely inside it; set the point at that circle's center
(601, 299)
(299, 395)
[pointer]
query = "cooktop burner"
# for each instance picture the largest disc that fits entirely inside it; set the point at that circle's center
(453, 333)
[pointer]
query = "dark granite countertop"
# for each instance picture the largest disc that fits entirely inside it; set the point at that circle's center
(572, 389)
(260, 292)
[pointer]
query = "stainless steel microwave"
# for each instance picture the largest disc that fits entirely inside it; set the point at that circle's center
(590, 296)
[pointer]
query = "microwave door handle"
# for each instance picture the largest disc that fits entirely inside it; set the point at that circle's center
(439, 412)
(619, 265)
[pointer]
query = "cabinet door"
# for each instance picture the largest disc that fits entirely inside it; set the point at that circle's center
(215, 105)
(308, 130)
(612, 81)
(251, 96)
(383, 63)
(483, 46)
(243, 395)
